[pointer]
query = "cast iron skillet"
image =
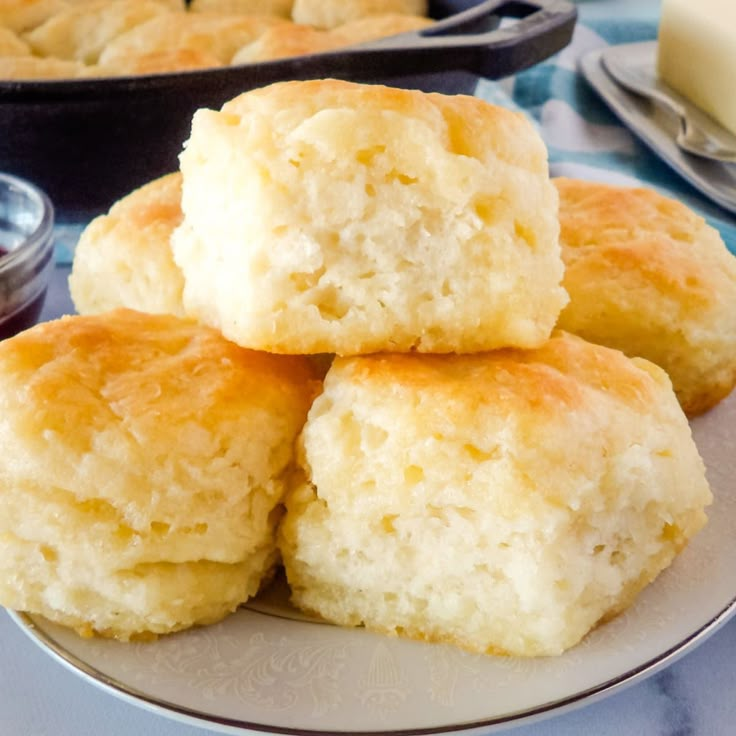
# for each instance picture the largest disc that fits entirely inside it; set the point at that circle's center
(89, 142)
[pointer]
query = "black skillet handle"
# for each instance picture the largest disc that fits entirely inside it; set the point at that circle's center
(542, 28)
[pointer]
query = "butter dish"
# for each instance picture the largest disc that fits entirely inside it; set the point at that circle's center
(657, 127)
(699, 133)
(696, 54)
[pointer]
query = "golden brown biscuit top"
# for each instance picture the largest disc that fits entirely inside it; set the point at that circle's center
(11, 44)
(634, 230)
(140, 369)
(117, 37)
(285, 40)
(217, 35)
(159, 201)
(601, 213)
(21, 15)
(268, 7)
(379, 26)
(332, 13)
(34, 67)
(472, 127)
(81, 32)
(556, 378)
(174, 60)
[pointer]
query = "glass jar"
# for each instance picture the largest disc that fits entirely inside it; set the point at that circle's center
(26, 253)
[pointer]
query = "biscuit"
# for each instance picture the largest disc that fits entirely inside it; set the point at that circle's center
(295, 39)
(163, 62)
(378, 26)
(124, 258)
(504, 502)
(176, 5)
(33, 67)
(219, 36)
(648, 276)
(243, 7)
(143, 465)
(333, 217)
(332, 13)
(285, 41)
(82, 31)
(11, 44)
(24, 15)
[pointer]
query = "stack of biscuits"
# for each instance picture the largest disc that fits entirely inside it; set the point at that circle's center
(56, 39)
(459, 468)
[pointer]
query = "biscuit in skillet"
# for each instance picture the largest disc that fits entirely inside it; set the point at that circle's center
(332, 13)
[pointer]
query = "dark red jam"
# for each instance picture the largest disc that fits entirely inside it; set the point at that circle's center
(22, 318)
(16, 317)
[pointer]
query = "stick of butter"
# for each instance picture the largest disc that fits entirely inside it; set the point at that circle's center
(697, 54)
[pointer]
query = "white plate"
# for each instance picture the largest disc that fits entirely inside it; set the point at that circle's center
(262, 670)
(655, 127)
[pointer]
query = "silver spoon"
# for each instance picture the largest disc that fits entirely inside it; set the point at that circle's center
(698, 134)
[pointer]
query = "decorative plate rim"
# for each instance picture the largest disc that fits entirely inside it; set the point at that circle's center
(28, 624)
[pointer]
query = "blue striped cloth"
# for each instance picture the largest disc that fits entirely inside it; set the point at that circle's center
(584, 138)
